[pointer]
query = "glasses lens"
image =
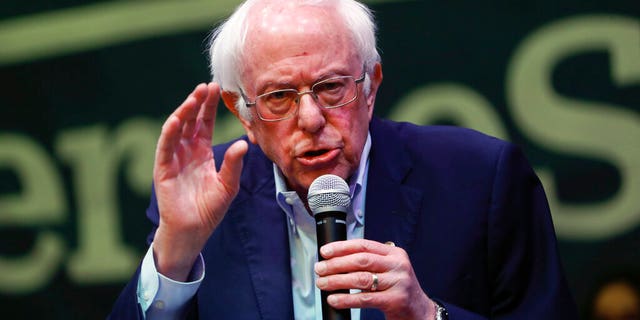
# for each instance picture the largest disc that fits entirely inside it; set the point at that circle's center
(276, 104)
(329, 93)
(335, 92)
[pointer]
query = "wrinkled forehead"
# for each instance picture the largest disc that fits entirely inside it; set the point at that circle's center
(274, 23)
(280, 16)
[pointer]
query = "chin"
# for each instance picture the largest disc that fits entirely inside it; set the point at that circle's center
(340, 172)
(304, 179)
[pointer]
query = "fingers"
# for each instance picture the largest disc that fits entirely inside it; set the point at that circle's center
(231, 167)
(383, 272)
(183, 121)
(362, 280)
(362, 261)
(359, 255)
(359, 300)
(343, 248)
(208, 110)
(169, 139)
(411, 303)
(189, 110)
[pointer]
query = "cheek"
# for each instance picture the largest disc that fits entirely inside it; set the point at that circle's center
(354, 132)
(274, 143)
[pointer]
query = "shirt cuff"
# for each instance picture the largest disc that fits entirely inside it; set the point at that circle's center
(164, 298)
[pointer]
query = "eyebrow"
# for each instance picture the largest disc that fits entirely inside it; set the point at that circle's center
(278, 85)
(274, 85)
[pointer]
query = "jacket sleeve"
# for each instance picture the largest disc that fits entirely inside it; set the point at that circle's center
(525, 275)
(126, 306)
(524, 265)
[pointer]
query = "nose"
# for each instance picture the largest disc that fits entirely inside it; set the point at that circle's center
(310, 114)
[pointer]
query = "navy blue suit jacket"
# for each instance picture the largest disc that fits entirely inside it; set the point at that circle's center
(467, 208)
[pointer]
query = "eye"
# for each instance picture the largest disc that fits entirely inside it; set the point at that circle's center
(277, 96)
(277, 102)
(334, 91)
(330, 86)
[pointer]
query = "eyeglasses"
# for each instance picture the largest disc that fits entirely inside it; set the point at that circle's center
(329, 93)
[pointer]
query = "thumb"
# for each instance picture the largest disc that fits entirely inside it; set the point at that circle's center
(232, 165)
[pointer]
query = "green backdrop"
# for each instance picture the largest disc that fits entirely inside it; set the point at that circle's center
(85, 86)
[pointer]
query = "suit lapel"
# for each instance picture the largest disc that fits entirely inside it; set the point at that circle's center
(261, 227)
(391, 210)
(391, 207)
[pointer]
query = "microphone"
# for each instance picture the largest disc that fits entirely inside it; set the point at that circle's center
(329, 198)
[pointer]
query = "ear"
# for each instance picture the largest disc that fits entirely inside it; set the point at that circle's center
(376, 80)
(230, 100)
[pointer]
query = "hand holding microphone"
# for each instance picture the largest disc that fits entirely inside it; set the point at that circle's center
(329, 199)
(382, 271)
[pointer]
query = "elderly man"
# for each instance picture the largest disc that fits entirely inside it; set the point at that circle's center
(469, 228)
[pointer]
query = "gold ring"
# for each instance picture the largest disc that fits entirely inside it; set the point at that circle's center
(374, 284)
(390, 243)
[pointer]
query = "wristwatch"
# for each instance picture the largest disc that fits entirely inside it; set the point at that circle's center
(441, 312)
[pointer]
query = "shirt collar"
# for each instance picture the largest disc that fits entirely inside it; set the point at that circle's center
(357, 180)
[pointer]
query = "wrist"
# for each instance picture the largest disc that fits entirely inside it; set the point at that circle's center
(173, 258)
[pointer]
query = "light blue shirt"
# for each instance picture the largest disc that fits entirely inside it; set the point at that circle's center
(302, 238)
(163, 298)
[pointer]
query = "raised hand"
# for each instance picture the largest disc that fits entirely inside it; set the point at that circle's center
(352, 264)
(192, 196)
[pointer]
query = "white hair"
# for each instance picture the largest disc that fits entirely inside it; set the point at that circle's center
(227, 43)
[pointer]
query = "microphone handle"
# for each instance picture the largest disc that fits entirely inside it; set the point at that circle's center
(331, 226)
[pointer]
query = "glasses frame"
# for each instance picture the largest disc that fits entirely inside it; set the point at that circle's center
(297, 105)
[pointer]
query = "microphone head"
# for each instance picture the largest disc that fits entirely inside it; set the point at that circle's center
(328, 193)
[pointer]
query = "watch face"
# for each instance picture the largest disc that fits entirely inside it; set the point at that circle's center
(441, 312)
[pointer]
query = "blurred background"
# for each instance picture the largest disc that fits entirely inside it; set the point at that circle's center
(86, 85)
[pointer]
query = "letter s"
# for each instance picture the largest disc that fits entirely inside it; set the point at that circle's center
(590, 129)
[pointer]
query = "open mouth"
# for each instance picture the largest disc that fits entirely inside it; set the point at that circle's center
(319, 157)
(315, 153)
